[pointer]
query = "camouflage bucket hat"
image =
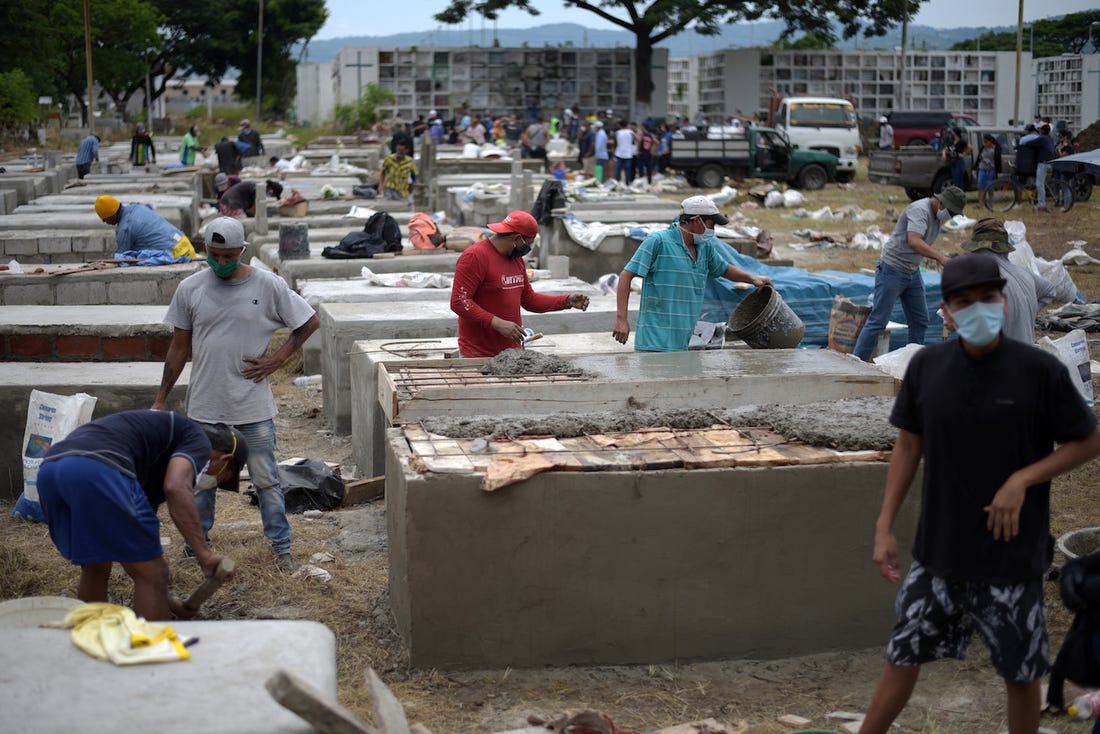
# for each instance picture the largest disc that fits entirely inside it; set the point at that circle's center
(989, 234)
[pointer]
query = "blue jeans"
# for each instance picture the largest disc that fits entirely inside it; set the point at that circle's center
(890, 285)
(1041, 173)
(265, 479)
(624, 169)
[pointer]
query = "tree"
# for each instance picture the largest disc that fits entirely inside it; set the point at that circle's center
(362, 113)
(1048, 37)
(810, 41)
(661, 19)
(18, 102)
(30, 43)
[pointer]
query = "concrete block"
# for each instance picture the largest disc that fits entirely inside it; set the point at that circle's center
(18, 246)
(132, 291)
(28, 294)
(117, 386)
(674, 560)
(65, 258)
(72, 293)
(9, 199)
(227, 671)
(54, 244)
(92, 243)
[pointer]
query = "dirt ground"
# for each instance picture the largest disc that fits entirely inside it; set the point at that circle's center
(950, 698)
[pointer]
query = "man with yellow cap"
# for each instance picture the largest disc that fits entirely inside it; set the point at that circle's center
(140, 228)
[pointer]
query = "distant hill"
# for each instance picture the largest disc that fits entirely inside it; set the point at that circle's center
(686, 43)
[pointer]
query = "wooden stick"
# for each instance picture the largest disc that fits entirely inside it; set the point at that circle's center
(322, 712)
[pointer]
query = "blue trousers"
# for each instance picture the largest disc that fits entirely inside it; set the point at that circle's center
(890, 285)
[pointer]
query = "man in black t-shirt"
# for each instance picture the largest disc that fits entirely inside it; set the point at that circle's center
(984, 412)
(100, 488)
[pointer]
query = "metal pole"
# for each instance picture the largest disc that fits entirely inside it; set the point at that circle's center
(260, 66)
(88, 56)
(904, 39)
(1019, 52)
(148, 100)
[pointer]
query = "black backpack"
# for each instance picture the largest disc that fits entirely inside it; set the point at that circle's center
(382, 226)
(1079, 585)
(380, 234)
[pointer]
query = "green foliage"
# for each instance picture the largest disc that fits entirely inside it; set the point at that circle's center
(363, 113)
(18, 102)
(1051, 37)
(810, 41)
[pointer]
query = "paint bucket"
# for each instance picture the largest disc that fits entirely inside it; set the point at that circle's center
(293, 241)
(1078, 543)
(764, 321)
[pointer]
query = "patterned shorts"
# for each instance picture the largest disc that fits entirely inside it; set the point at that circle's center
(937, 617)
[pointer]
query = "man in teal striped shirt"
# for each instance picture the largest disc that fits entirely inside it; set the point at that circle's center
(674, 265)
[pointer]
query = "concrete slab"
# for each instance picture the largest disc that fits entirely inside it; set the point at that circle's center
(87, 222)
(137, 285)
(342, 324)
(316, 267)
(83, 333)
(28, 186)
(220, 690)
(117, 386)
(56, 246)
(724, 378)
(628, 567)
(368, 421)
(9, 199)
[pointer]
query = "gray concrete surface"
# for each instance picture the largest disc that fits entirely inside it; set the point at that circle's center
(79, 320)
(604, 568)
(41, 245)
(117, 386)
(138, 285)
(368, 422)
(342, 324)
(316, 267)
(220, 690)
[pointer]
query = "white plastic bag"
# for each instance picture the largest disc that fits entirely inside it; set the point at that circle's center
(895, 363)
(1073, 350)
(793, 198)
(50, 418)
(773, 199)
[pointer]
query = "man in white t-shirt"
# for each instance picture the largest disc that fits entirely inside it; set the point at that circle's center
(625, 149)
(223, 318)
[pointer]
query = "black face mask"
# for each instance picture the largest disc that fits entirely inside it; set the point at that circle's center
(522, 250)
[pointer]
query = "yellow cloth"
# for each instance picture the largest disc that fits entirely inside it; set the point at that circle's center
(115, 633)
(107, 206)
(184, 247)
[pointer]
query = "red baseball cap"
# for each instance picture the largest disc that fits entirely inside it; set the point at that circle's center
(519, 222)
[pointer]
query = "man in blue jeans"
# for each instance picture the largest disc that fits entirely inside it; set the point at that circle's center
(223, 319)
(897, 274)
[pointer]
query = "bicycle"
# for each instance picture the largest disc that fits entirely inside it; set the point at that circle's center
(1006, 192)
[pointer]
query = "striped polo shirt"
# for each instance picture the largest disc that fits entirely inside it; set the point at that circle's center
(672, 289)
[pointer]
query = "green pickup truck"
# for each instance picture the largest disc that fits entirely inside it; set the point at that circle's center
(760, 153)
(922, 171)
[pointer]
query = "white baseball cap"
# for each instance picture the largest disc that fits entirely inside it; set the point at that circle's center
(701, 205)
(229, 230)
(883, 120)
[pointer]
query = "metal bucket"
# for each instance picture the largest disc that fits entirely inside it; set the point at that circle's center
(763, 321)
(1078, 543)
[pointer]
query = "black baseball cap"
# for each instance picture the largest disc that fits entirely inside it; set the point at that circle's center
(969, 271)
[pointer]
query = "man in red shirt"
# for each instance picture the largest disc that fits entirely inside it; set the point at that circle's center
(491, 284)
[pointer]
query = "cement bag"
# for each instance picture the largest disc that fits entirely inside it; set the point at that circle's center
(1065, 290)
(460, 238)
(1073, 350)
(773, 199)
(846, 320)
(50, 418)
(793, 198)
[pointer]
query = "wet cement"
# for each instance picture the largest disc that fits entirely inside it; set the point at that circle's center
(524, 362)
(858, 424)
(848, 425)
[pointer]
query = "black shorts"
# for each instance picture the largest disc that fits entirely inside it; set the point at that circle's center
(937, 617)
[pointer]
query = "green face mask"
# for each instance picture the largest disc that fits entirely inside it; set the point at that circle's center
(222, 270)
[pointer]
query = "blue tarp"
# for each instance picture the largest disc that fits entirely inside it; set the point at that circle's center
(810, 295)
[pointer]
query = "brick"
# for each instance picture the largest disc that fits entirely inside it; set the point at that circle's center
(30, 345)
(19, 245)
(17, 293)
(124, 347)
(81, 292)
(158, 346)
(51, 245)
(77, 346)
(132, 292)
(97, 243)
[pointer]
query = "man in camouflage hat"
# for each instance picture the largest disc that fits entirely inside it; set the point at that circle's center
(1025, 291)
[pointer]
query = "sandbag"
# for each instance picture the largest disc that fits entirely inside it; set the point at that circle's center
(461, 238)
(1073, 350)
(50, 418)
(846, 320)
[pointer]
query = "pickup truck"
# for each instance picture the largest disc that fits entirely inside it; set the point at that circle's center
(761, 152)
(922, 171)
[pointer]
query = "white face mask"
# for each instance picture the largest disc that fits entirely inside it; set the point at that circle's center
(943, 215)
(206, 481)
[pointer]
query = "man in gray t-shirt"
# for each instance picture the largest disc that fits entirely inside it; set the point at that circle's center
(897, 275)
(224, 318)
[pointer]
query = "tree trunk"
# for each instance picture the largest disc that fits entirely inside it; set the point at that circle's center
(643, 76)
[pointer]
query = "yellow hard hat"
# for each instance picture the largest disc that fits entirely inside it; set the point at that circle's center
(107, 206)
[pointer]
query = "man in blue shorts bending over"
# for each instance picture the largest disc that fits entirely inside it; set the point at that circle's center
(985, 413)
(100, 488)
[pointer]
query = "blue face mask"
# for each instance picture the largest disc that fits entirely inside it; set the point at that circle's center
(706, 236)
(979, 323)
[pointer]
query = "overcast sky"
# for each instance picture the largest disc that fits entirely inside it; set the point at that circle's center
(375, 18)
